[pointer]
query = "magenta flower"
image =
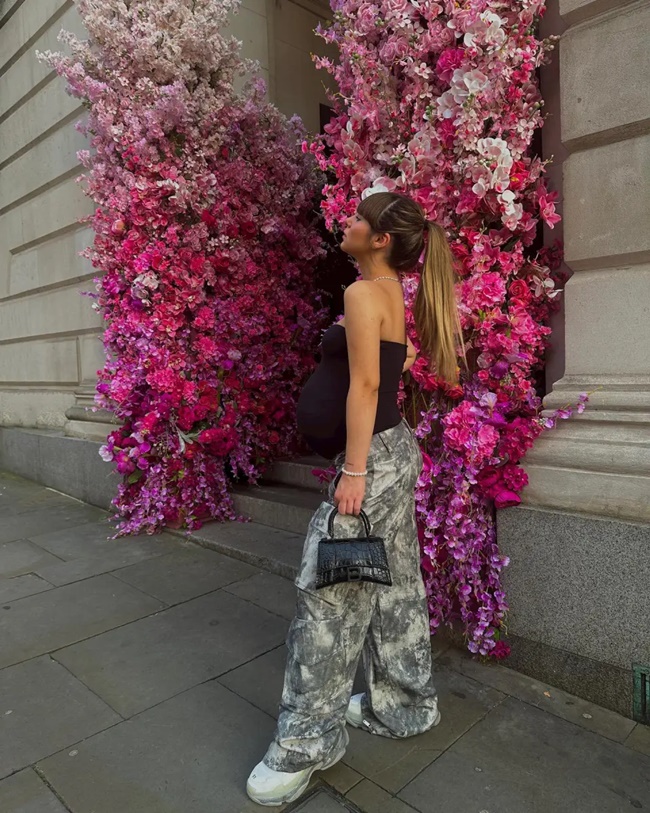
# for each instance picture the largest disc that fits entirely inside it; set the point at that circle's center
(505, 498)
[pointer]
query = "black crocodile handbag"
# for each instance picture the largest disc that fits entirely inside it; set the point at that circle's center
(354, 559)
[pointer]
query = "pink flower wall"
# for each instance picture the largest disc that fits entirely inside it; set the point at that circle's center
(205, 246)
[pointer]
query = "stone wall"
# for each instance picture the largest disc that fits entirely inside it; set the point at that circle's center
(48, 332)
(580, 546)
(50, 348)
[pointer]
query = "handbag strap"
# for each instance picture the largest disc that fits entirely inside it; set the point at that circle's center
(334, 512)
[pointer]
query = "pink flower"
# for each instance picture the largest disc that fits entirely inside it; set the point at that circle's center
(547, 210)
(488, 477)
(514, 477)
(506, 498)
(519, 290)
(485, 292)
(448, 61)
(501, 650)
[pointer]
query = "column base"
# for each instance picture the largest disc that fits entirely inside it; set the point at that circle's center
(597, 462)
(69, 465)
(87, 421)
(577, 588)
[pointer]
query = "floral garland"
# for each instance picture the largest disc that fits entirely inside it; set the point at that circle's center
(205, 240)
(440, 100)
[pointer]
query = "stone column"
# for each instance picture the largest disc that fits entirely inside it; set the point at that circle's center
(580, 545)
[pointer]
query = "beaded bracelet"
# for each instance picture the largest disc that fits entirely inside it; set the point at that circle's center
(355, 473)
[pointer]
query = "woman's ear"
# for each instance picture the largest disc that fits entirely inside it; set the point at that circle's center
(380, 240)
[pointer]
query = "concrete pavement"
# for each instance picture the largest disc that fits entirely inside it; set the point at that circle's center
(142, 675)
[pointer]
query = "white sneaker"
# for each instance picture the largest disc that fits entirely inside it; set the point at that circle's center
(354, 715)
(274, 788)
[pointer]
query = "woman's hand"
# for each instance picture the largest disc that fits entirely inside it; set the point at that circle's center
(349, 494)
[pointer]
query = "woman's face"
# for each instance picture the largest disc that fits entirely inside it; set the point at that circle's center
(356, 236)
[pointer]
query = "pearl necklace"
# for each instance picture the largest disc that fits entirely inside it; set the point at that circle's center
(395, 279)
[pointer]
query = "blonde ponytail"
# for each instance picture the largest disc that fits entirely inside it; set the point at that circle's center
(436, 313)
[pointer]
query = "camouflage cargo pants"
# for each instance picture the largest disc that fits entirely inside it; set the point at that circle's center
(335, 625)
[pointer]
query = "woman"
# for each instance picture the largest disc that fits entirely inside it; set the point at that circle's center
(348, 410)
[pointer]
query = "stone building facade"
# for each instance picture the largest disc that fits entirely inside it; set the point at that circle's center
(579, 580)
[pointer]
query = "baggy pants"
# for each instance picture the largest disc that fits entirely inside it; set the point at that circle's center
(333, 626)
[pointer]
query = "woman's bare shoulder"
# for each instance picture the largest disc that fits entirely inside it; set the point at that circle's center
(362, 293)
(359, 287)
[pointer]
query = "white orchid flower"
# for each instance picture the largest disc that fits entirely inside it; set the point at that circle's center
(372, 190)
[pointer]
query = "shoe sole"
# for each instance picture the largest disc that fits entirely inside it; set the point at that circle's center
(299, 790)
(356, 723)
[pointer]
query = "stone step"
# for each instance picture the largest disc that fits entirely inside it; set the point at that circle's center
(270, 549)
(297, 472)
(284, 507)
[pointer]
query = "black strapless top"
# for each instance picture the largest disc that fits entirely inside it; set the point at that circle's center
(322, 402)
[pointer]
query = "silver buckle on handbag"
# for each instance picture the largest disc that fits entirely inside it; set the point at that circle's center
(354, 574)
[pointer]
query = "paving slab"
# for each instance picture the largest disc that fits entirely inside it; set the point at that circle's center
(391, 764)
(48, 621)
(43, 708)
(322, 802)
(52, 518)
(13, 487)
(370, 798)
(260, 681)
(21, 586)
(267, 590)
(519, 759)
(93, 539)
(340, 777)
(190, 754)
(25, 792)
(639, 739)
(22, 556)
(542, 695)
(30, 500)
(140, 664)
(184, 574)
(77, 569)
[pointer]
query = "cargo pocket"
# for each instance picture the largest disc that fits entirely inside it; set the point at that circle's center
(405, 649)
(316, 657)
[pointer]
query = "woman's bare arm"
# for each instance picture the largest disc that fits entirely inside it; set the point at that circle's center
(362, 326)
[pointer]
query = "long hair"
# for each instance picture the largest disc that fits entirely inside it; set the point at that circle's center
(435, 312)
